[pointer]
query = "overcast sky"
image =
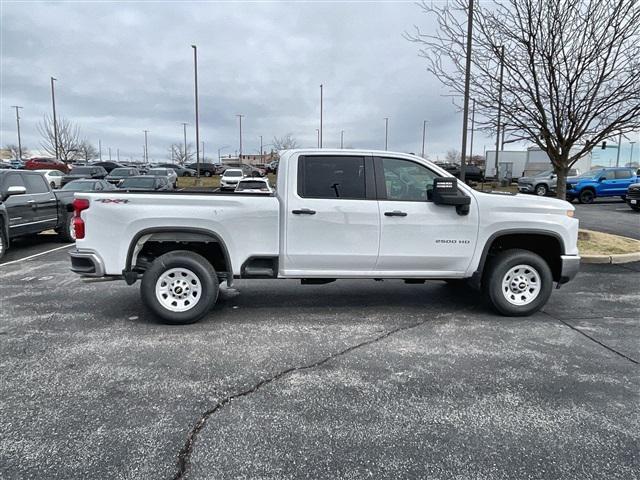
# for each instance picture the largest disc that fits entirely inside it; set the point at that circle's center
(123, 67)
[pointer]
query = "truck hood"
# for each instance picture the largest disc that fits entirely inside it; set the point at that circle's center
(525, 203)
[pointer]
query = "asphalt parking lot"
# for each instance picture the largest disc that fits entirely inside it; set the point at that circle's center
(609, 215)
(355, 379)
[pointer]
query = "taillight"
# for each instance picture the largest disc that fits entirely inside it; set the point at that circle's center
(79, 204)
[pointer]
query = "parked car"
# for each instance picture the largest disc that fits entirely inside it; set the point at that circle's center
(118, 174)
(601, 182)
(84, 172)
(254, 185)
(54, 177)
(206, 169)
(29, 206)
(230, 178)
(88, 185)
(44, 163)
(633, 196)
(471, 172)
(542, 183)
(145, 183)
(107, 165)
(272, 167)
(5, 165)
(180, 171)
(17, 164)
(164, 172)
(335, 214)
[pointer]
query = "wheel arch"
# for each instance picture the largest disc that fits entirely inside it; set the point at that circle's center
(546, 243)
(180, 238)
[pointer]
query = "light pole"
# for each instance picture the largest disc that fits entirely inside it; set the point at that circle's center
(109, 153)
(219, 150)
(473, 125)
(619, 148)
(386, 133)
(100, 149)
(631, 154)
(239, 115)
(341, 139)
(424, 134)
(260, 148)
(17, 107)
(499, 106)
(55, 122)
(118, 155)
(320, 134)
(184, 131)
(195, 81)
(146, 147)
(466, 91)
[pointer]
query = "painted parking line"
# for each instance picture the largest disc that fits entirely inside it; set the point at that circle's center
(36, 255)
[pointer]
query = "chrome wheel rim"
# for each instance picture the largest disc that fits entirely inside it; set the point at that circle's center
(178, 290)
(541, 191)
(521, 285)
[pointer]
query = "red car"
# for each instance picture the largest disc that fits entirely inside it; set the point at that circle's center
(42, 163)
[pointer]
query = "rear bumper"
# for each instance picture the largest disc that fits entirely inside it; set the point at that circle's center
(86, 263)
(570, 267)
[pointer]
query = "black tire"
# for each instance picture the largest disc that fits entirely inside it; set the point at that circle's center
(3, 240)
(496, 272)
(587, 196)
(635, 207)
(199, 267)
(207, 173)
(66, 231)
(52, 185)
(541, 190)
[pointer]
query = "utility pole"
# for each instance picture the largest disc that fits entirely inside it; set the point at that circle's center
(341, 139)
(17, 107)
(465, 115)
(55, 121)
(100, 149)
(184, 130)
(118, 155)
(619, 148)
(386, 133)
(239, 115)
(473, 125)
(195, 78)
(320, 136)
(146, 147)
(109, 153)
(424, 134)
(260, 148)
(499, 106)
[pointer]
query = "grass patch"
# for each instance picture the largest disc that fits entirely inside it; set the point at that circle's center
(598, 243)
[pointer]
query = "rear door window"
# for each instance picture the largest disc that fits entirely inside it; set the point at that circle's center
(622, 174)
(325, 176)
(35, 183)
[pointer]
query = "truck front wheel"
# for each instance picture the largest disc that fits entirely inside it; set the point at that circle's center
(518, 282)
(180, 287)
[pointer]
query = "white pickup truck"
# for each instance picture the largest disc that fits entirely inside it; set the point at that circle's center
(335, 214)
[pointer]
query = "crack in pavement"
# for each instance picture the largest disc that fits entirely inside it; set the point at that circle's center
(184, 456)
(593, 339)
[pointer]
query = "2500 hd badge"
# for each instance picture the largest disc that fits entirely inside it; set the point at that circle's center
(453, 241)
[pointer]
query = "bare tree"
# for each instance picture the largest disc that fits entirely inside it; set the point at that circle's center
(452, 156)
(69, 140)
(88, 150)
(286, 142)
(15, 151)
(570, 69)
(177, 153)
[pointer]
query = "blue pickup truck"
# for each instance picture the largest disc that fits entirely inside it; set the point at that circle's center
(602, 182)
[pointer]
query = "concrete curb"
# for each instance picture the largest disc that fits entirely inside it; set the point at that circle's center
(616, 259)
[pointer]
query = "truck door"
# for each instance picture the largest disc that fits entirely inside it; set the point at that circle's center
(417, 236)
(624, 178)
(332, 222)
(43, 202)
(19, 208)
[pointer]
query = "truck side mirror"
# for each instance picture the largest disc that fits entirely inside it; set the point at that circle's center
(445, 192)
(15, 190)
(602, 179)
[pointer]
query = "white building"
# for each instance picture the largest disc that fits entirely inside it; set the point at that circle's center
(516, 164)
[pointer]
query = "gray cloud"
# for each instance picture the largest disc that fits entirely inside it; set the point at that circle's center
(125, 67)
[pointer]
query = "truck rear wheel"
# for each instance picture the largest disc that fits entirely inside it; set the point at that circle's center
(66, 231)
(587, 196)
(180, 287)
(518, 283)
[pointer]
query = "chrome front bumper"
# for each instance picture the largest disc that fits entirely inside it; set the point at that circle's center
(87, 264)
(569, 268)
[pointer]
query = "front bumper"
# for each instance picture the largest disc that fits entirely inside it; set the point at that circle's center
(525, 188)
(86, 263)
(570, 265)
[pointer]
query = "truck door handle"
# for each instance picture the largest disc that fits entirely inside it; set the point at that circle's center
(303, 211)
(395, 213)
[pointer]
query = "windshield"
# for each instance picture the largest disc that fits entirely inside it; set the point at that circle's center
(252, 185)
(82, 170)
(137, 182)
(120, 172)
(233, 173)
(79, 186)
(590, 174)
(546, 173)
